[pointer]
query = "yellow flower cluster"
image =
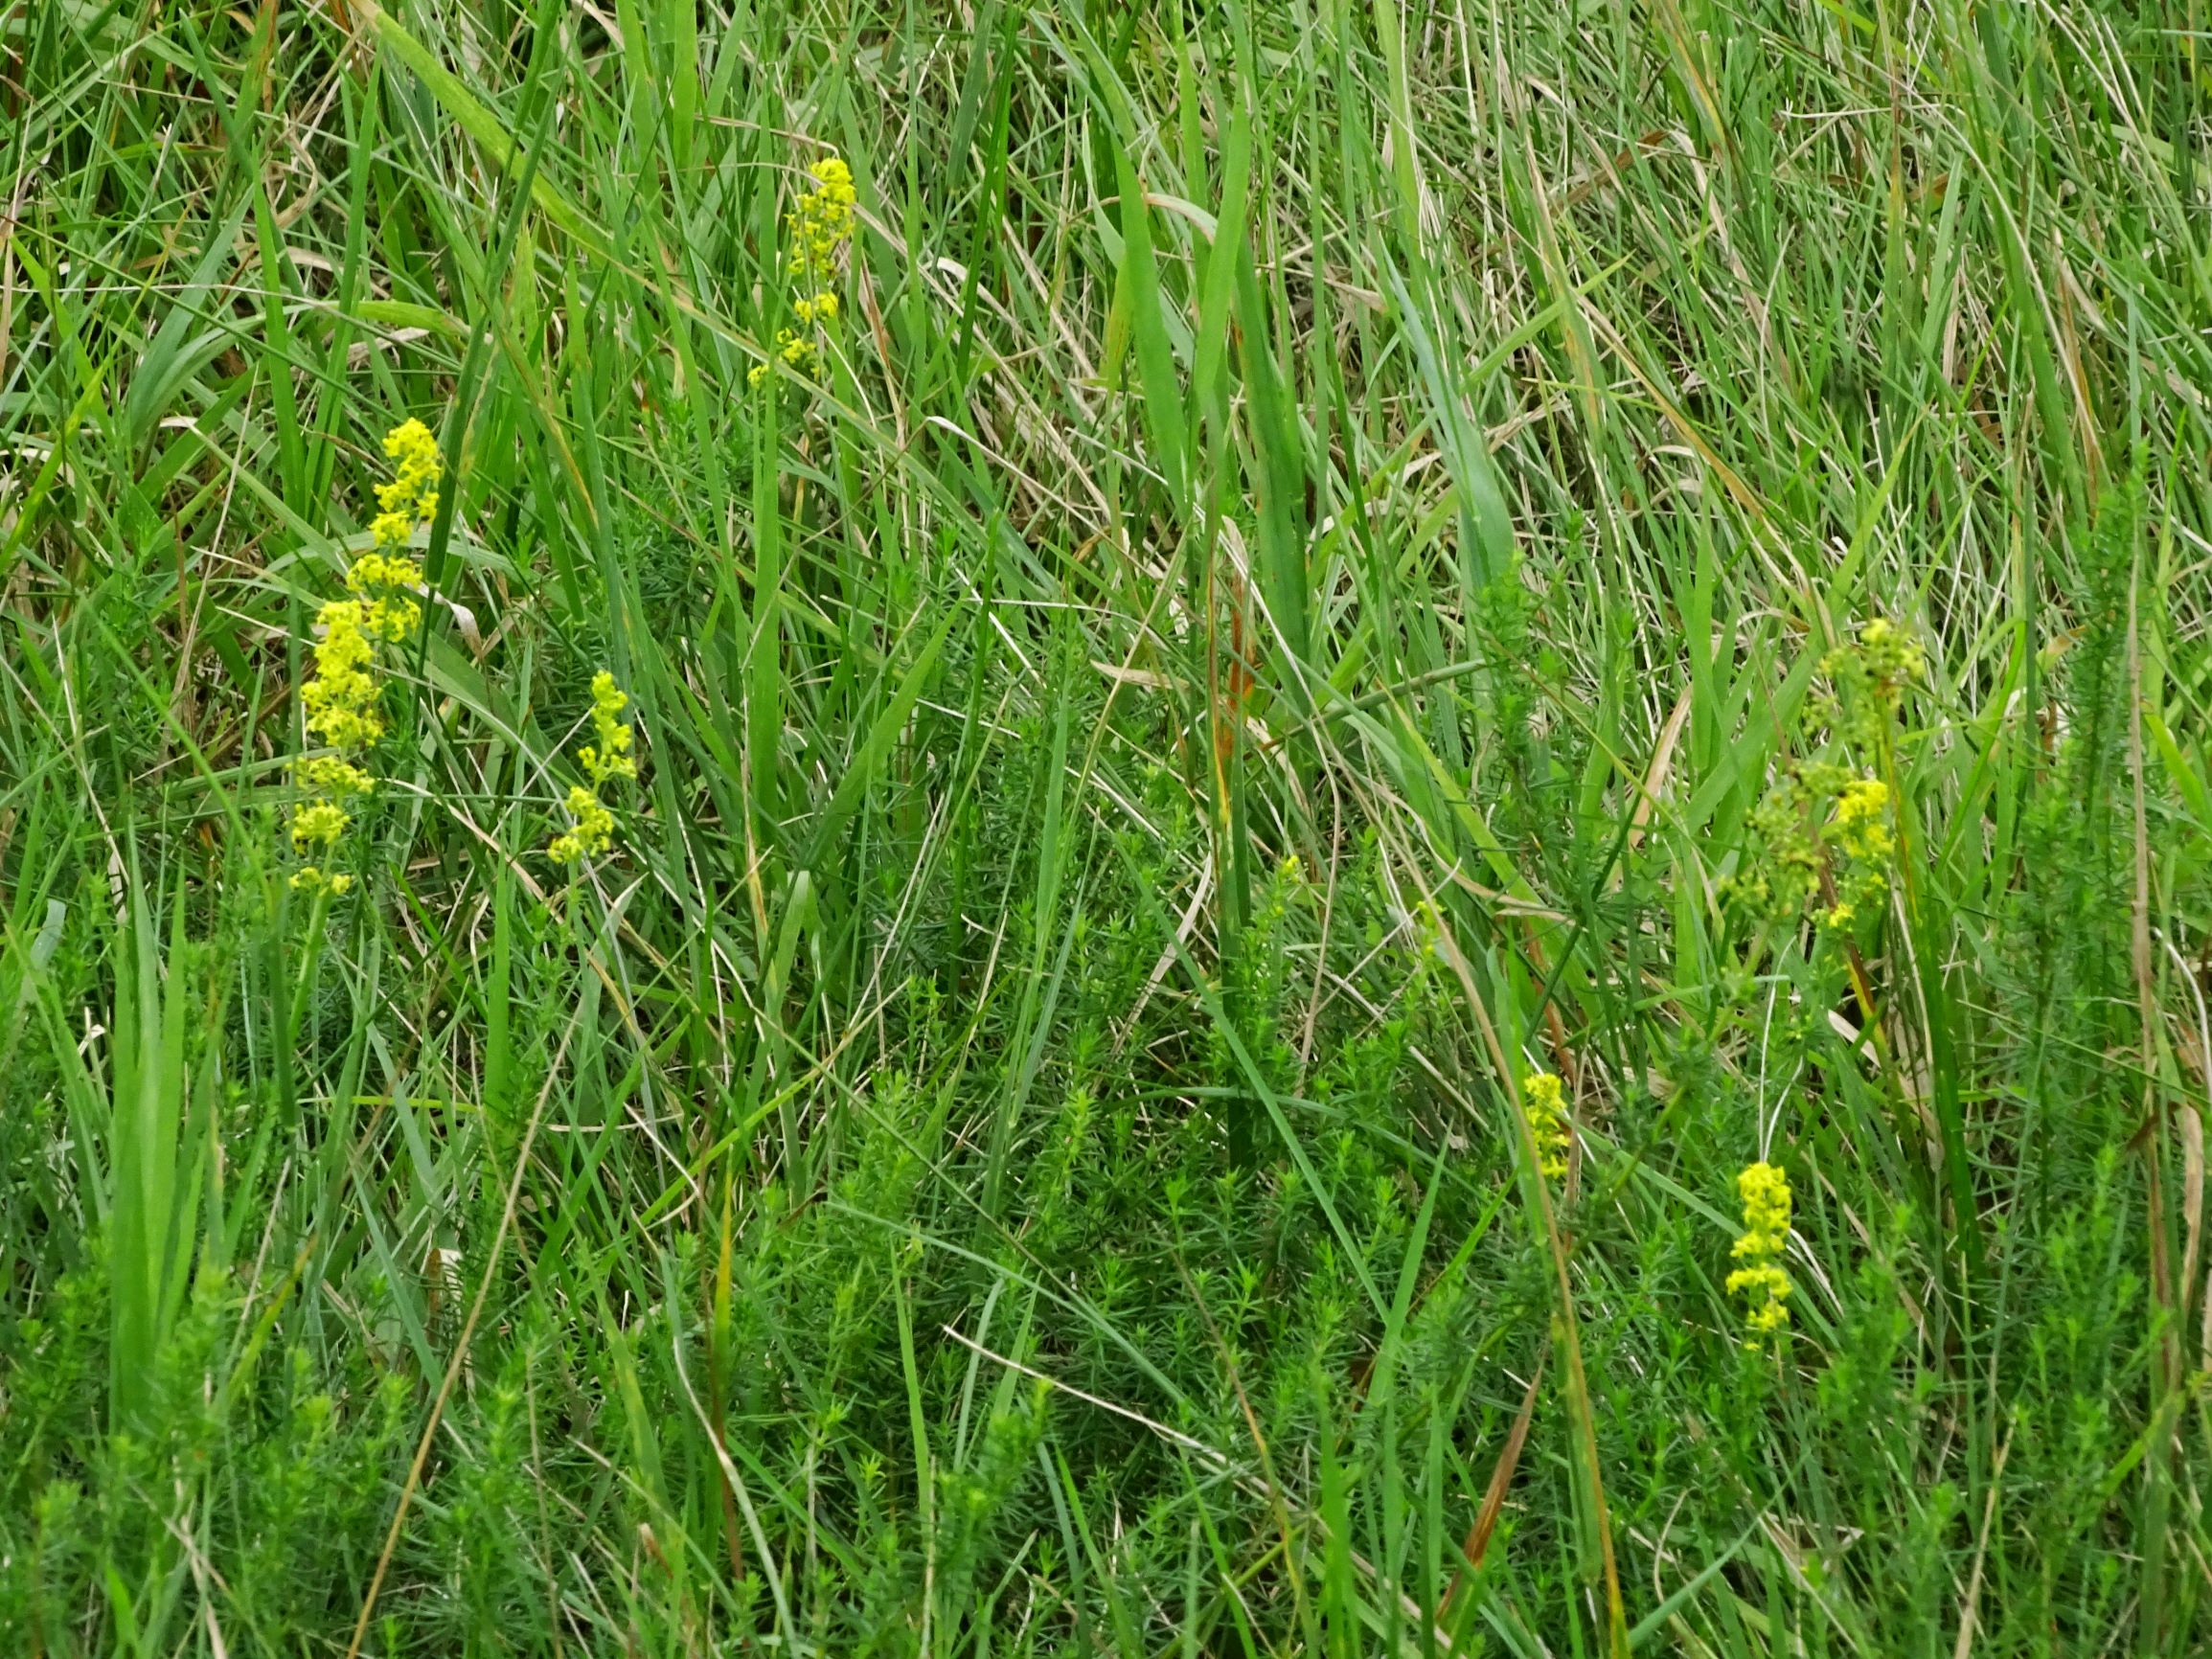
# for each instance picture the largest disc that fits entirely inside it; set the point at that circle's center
(343, 701)
(1890, 658)
(1825, 827)
(1819, 821)
(1542, 1104)
(1869, 675)
(823, 218)
(1862, 820)
(384, 586)
(590, 835)
(609, 757)
(820, 225)
(1765, 1194)
(603, 759)
(412, 496)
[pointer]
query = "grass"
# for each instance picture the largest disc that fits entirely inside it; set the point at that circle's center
(1321, 572)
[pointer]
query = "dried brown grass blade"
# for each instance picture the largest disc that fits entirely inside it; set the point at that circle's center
(1494, 1497)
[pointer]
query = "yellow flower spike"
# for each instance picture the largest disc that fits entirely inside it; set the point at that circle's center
(341, 648)
(607, 702)
(341, 703)
(604, 759)
(818, 224)
(1863, 798)
(594, 822)
(412, 447)
(1542, 1104)
(415, 452)
(1765, 1194)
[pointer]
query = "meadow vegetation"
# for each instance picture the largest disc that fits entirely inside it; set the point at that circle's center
(875, 828)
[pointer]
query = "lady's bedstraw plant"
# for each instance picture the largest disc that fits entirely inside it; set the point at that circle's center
(1821, 837)
(591, 832)
(820, 225)
(1544, 1107)
(343, 702)
(1765, 1194)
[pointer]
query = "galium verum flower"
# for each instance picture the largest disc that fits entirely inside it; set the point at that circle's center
(604, 759)
(342, 703)
(1765, 1194)
(820, 225)
(1542, 1103)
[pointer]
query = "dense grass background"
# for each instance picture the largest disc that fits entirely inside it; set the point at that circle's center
(1320, 524)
